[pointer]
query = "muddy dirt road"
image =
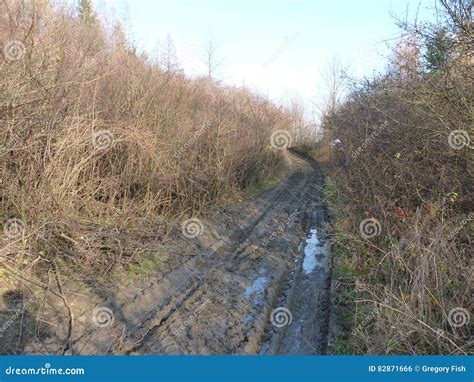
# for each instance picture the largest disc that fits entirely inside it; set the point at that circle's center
(254, 280)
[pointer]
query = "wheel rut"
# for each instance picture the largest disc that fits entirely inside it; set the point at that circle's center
(221, 298)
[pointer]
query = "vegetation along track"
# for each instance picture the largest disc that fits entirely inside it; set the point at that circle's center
(248, 267)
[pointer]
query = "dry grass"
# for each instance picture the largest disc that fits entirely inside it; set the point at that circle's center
(396, 166)
(97, 138)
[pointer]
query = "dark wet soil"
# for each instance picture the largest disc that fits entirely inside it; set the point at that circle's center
(226, 291)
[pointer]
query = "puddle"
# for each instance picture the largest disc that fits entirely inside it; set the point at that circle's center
(257, 287)
(306, 295)
(314, 252)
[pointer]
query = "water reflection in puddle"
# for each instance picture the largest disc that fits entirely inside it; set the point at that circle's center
(314, 252)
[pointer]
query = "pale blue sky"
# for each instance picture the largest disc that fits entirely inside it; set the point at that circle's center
(277, 47)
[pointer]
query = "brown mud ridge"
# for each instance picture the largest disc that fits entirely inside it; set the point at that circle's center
(255, 281)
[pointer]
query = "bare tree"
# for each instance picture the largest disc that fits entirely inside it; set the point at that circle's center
(169, 58)
(407, 59)
(332, 76)
(211, 58)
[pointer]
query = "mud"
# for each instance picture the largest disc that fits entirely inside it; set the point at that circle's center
(219, 293)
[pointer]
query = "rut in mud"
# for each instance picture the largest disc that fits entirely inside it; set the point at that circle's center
(255, 282)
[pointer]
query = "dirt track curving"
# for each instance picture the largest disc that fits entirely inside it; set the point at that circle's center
(250, 263)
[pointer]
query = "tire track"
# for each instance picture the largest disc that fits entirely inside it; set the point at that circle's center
(289, 194)
(206, 305)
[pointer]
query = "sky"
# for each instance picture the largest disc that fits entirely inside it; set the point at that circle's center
(279, 48)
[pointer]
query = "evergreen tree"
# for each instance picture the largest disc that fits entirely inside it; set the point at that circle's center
(438, 50)
(86, 12)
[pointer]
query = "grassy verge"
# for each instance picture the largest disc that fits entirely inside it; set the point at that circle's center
(377, 309)
(343, 275)
(400, 197)
(267, 174)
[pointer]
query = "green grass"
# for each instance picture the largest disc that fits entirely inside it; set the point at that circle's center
(146, 265)
(343, 270)
(263, 186)
(267, 174)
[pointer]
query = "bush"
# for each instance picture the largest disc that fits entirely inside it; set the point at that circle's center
(96, 137)
(404, 168)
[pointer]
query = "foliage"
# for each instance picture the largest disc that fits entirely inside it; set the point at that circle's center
(405, 161)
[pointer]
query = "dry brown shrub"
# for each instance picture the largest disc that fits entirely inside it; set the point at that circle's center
(95, 135)
(397, 164)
